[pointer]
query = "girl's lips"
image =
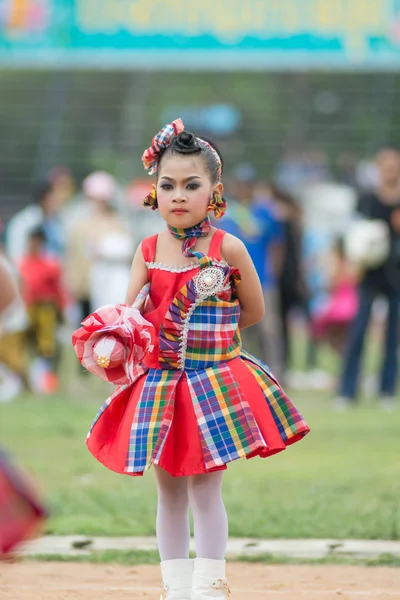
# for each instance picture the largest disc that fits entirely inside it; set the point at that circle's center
(179, 211)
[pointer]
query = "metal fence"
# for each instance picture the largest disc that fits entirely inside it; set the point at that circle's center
(89, 120)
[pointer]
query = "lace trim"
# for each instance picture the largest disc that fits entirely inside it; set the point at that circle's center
(181, 268)
(172, 268)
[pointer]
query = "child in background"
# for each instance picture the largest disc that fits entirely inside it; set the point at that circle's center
(13, 355)
(13, 325)
(194, 400)
(45, 298)
(21, 512)
(335, 316)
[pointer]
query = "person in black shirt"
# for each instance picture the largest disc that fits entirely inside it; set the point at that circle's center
(291, 283)
(382, 204)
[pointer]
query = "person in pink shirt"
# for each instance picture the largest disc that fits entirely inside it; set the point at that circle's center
(333, 321)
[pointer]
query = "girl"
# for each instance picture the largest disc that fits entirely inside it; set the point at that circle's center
(195, 401)
(335, 316)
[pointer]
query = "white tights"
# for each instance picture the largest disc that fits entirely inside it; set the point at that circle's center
(203, 493)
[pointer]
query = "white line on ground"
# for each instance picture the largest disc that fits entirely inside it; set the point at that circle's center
(88, 587)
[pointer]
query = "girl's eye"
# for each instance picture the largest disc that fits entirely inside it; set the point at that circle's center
(193, 186)
(166, 186)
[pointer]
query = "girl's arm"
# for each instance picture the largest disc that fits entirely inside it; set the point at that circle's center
(139, 276)
(8, 287)
(249, 290)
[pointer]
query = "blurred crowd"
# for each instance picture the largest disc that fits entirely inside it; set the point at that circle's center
(325, 275)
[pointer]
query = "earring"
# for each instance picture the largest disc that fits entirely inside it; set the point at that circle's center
(218, 205)
(151, 199)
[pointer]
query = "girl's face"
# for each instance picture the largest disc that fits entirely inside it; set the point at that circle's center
(184, 190)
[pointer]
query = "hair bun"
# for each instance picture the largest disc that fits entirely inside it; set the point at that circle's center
(186, 143)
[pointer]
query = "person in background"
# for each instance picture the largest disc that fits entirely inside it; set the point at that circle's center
(346, 167)
(334, 318)
(21, 511)
(255, 222)
(383, 204)
(63, 183)
(111, 267)
(44, 212)
(86, 238)
(13, 356)
(46, 299)
(293, 292)
(13, 326)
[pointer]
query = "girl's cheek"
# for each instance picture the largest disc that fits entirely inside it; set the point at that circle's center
(201, 199)
(162, 197)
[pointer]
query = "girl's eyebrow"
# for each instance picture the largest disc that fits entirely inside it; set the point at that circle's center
(185, 180)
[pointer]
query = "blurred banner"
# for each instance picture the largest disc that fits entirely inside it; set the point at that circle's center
(206, 34)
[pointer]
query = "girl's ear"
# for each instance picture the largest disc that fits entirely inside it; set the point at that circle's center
(218, 189)
(217, 204)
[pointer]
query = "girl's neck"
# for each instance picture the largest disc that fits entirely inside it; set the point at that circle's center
(169, 249)
(189, 236)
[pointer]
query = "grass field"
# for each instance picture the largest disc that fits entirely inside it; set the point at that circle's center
(343, 480)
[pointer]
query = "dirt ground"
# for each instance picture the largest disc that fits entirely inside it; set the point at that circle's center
(71, 581)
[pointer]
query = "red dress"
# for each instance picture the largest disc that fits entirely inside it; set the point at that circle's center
(199, 401)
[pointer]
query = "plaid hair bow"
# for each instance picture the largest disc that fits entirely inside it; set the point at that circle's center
(160, 142)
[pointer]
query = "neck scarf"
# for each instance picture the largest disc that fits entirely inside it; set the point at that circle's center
(190, 235)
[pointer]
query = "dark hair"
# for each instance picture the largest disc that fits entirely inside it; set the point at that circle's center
(187, 143)
(38, 233)
(282, 195)
(41, 191)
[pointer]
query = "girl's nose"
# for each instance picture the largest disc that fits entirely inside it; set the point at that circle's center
(179, 197)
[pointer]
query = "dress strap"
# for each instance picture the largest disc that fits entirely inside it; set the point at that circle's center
(216, 243)
(149, 246)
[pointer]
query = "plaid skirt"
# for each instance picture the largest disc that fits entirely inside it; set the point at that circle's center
(21, 512)
(195, 421)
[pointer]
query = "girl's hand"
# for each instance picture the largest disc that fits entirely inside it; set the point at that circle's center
(138, 278)
(249, 290)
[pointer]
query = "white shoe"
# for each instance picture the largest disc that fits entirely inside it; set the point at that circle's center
(209, 580)
(177, 578)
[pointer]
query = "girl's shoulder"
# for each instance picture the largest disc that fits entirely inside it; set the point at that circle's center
(149, 246)
(232, 248)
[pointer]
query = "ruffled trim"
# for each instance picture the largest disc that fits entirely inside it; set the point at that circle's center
(290, 423)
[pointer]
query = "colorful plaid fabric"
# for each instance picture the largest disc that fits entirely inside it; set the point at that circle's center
(213, 335)
(227, 427)
(228, 430)
(189, 236)
(160, 142)
(287, 418)
(198, 339)
(21, 511)
(197, 332)
(152, 420)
